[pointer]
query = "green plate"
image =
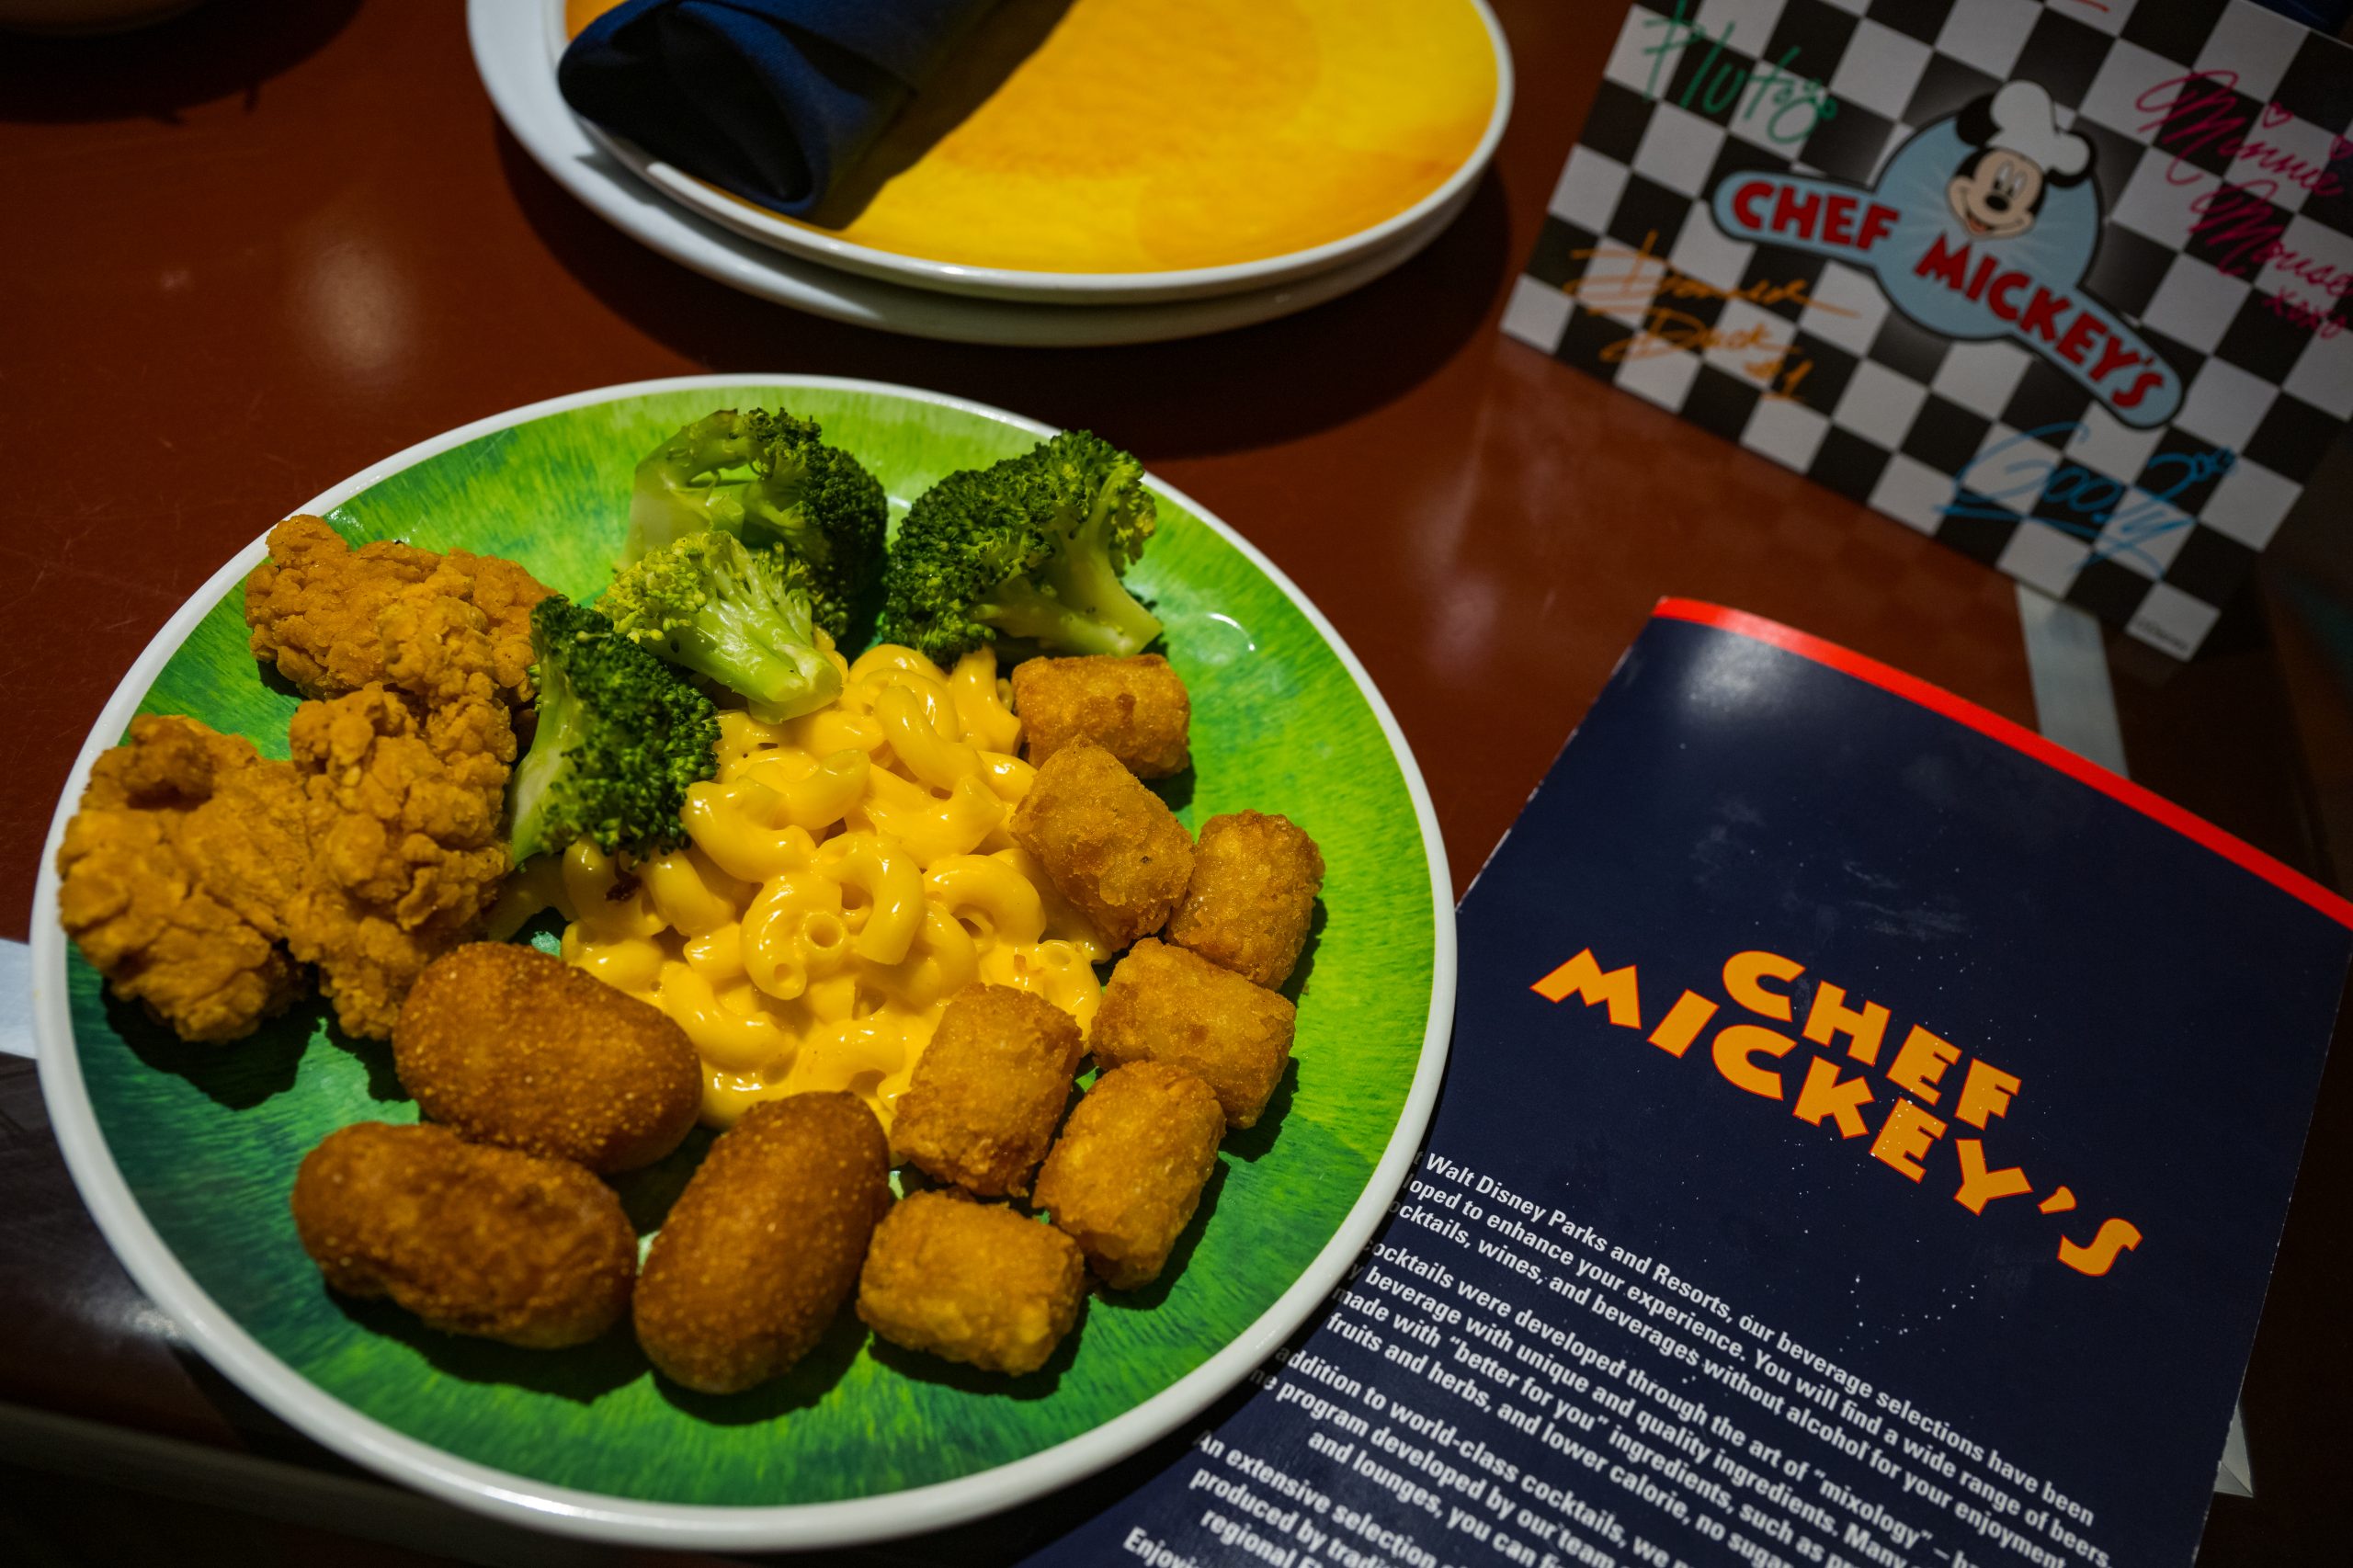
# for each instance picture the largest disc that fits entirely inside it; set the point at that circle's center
(186, 1154)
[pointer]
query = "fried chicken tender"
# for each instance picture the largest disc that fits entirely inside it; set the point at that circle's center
(511, 1045)
(761, 1249)
(972, 1282)
(1127, 1172)
(988, 1089)
(486, 1241)
(403, 821)
(176, 872)
(440, 627)
(1111, 846)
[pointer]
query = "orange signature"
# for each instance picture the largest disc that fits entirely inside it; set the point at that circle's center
(1618, 280)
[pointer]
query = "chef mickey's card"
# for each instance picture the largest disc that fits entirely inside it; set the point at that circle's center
(2063, 283)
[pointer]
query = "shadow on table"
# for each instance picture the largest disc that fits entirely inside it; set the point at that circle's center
(218, 49)
(1235, 391)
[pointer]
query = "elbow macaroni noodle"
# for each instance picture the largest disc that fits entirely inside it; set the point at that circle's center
(847, 873)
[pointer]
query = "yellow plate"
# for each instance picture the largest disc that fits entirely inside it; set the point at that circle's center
(1127, 149)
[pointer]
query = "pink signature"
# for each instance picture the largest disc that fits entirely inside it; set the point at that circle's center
(2237, 221)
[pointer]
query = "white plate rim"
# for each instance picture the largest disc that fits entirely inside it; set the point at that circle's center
(526, 103)
(1175, 284)
(594, 1516)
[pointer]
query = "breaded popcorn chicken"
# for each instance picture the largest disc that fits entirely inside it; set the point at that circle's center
(971, 1282)
(988, 1089)
(176, 872)
(1111, 845)
(1168, 1005)
(1135, 709)
(764, 1245)
(1127, 1173)
(511, 1045)
(1252, 896)
(404, 823)
(440, 627)
(477, 1241)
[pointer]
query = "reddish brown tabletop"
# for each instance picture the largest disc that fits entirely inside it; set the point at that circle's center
(255, 249)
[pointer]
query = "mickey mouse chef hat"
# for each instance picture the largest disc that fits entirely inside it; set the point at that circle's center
(2026, 123)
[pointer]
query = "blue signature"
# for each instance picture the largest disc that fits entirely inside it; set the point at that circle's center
(2091, 497)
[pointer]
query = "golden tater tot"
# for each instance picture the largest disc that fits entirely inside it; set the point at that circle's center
(1252, 896)
(972, 1282)
(1127, 1173)
(473, 1240)
(1111, 845)
(988, 1089)
(1169, 1006)
(763, 1246)
(511, 1045)
(1135, 709)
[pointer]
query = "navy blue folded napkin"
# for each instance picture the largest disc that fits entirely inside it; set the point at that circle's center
(774, 100)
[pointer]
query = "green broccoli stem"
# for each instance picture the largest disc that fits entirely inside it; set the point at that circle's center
(1089, 612)
(740, 649)
(530, 794)
(677, 490)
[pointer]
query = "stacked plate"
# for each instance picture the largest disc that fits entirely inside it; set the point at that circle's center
(1087, 172)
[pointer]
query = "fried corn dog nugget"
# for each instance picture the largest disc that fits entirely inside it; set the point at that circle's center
(477, 1241)
(1135, 709)
(1127, 1173)
(1252, 896)
(510, 1046)
(1168, 1005)
(1111, 845)
(972, 1282)
(761, 1249)
(988, 1089)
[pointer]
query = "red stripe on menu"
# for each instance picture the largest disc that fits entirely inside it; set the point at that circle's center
(2018, 737)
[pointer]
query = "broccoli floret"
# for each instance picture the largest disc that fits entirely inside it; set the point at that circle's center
(1031, 549)
(620, 736)
(771, 481)
(706, 604)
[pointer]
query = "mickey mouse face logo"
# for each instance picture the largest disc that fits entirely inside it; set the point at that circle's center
(1997, 194)
(2020, 153)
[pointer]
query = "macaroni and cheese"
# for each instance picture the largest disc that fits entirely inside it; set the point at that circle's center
(848, 872)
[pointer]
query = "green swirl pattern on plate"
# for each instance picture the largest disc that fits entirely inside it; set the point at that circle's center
(209, 1137)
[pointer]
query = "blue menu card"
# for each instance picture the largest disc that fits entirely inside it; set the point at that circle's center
(1866, 1141)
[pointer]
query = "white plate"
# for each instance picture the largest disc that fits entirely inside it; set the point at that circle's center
(218, 1334)
(1412, 228)
(509, 53)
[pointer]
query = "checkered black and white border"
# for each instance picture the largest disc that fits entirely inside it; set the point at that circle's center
(1889, 413)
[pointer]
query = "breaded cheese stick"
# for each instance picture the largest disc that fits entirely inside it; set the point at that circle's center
(972, 1282)
(1169, 1006)
(1135, 709)
(1252, 896)
(512, 1046)
(1127, 1173)
(988, 1089)
(763, 1246)
(1111, 845)
(477, 1241)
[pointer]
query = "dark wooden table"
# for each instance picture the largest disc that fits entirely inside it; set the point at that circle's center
(255, 249)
